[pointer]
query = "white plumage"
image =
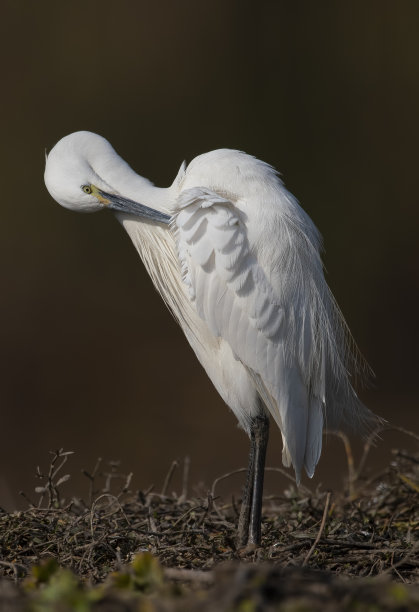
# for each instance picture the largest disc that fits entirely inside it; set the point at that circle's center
(239, 266)
(250, 258)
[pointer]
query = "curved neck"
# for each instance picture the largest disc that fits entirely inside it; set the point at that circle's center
(122, 178)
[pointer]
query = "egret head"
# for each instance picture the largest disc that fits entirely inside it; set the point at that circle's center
(70, 176)
(79, 173)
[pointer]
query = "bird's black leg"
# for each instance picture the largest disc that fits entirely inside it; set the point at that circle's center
(245, 511)
(261, 434)
(251, 510)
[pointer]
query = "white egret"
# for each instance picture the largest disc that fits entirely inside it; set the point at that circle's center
(237, 262)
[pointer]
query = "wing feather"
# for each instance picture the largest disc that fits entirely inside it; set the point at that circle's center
(234, 297)
(292, 339)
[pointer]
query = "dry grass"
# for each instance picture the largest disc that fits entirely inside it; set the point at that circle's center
(371, 531)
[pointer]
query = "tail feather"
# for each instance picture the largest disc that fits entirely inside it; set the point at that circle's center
(314, 436)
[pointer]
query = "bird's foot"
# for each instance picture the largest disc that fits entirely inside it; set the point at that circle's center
(247, 550)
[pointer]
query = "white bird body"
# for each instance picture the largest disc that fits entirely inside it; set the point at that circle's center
(239, 267)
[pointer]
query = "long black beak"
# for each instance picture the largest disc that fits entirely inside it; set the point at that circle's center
(116, 202)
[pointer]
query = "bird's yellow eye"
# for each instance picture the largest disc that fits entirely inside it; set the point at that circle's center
(87, 189)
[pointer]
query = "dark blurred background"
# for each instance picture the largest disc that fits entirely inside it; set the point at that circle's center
(327, 92)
